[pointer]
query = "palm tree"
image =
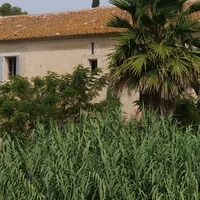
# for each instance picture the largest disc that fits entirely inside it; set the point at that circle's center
(156, 53)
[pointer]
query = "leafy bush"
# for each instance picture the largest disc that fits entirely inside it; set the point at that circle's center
(103, 158)
(55, 97)
(187, 111)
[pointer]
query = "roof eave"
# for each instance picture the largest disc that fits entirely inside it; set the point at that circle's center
(58, 37)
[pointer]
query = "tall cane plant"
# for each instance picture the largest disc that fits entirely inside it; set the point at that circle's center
(103, 158)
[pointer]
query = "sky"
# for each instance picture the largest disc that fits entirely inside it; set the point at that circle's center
(51, 6)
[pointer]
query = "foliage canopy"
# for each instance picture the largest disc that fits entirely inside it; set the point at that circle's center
(156, 53)
(7, 9)
(55, 97)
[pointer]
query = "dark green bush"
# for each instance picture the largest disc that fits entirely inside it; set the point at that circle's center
(187, 111)
(55, 97)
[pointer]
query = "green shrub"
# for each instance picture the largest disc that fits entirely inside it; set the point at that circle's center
(187, 111)
(60, 98)
(103, 158)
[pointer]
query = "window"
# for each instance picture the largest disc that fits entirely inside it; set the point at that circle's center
(93, 64)
(92, 47)
(11, 65)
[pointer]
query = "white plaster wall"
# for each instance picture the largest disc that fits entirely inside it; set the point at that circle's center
(61, 56)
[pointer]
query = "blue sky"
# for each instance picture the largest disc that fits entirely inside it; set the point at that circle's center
(49, 6)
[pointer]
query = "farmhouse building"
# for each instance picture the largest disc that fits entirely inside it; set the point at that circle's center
(32, 45)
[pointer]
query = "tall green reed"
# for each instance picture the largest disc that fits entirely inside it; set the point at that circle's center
(103, 158)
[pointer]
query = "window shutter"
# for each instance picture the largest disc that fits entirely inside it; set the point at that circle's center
(17, 65)
(1, 68)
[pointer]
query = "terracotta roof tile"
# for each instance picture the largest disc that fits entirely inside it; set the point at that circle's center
(81, 23)
(65, 24)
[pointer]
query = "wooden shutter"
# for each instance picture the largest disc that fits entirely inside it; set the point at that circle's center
(1, 68)
(17, 65)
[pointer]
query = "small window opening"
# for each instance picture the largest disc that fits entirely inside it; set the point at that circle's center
(93, 64)
(11, 66)
(92, 47)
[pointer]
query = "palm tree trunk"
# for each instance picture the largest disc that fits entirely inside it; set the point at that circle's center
(156, 102)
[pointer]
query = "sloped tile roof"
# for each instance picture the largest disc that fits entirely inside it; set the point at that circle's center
(65, 24)
(81, 23)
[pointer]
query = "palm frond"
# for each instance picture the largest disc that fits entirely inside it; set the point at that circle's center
(170, 8)
(128, 5)
(188, 26)
(194, 7)
(160, 50)
(179, 66)
(125, 37)
(133, 39)
(153, 80)
(122, 52)
(175, 3)
(196, 42)
(136, 64)
(133, 83)
(193, 57)
(160, 19)
(118, 22)
(145, 20)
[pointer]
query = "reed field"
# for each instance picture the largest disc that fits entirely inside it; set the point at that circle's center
(102, 157)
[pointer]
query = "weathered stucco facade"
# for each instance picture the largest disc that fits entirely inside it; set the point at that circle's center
(61, 56)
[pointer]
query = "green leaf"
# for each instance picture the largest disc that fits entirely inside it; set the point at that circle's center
(137, 64)
(161, 50)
